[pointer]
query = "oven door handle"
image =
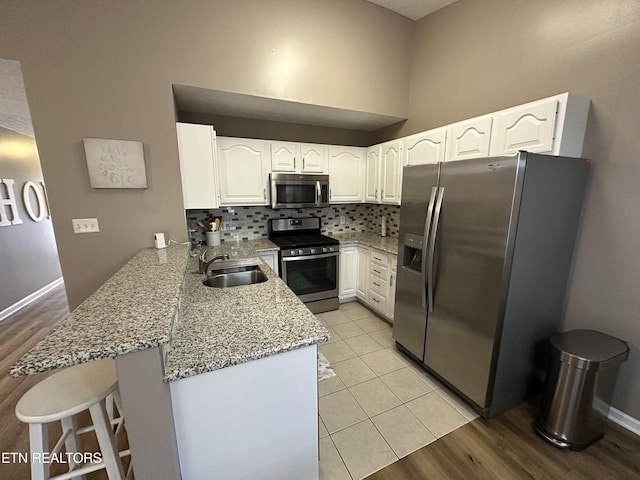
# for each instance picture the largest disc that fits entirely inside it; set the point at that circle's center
(309, 257)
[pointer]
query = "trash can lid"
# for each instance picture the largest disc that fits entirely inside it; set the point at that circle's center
(587, 349)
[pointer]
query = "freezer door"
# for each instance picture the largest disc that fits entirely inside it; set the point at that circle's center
(410, 313)
(468, 263)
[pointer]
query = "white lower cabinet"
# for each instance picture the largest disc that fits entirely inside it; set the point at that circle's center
(369, 275)
(271, 259)
(362, 280)
(348, 270)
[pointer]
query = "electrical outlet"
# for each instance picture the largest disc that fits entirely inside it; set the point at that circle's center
(342, 219)
(85, 225)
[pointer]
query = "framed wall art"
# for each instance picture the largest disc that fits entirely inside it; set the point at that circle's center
(115, 163)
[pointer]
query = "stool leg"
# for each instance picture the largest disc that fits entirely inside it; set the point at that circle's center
(39, 444)
(71, 443)
(109, 450)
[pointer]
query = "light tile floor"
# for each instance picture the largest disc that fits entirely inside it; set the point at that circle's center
(380, 406)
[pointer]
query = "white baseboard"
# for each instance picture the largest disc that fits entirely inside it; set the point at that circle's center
(624, 420)
(30, 298)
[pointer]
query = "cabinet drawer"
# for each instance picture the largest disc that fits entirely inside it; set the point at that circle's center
(379, 271)
(377, 301)
(378, 286)
(379, 258)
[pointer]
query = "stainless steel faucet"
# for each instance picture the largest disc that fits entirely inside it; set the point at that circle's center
(204, 264)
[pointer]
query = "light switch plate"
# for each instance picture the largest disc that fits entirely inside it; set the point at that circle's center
(342, 219)
(85, 225)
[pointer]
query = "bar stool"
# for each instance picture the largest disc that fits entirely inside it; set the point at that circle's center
(90, 386)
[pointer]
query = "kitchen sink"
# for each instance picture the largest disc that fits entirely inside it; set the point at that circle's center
(235, 277)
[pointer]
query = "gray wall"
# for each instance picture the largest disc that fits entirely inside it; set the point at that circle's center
(477, 57)
(105, 69)
(28, 254)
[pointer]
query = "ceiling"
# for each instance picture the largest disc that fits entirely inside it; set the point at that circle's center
(413, 9)
(216, 102)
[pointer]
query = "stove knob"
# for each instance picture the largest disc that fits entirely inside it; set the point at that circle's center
(325, 249)
(293, 252)
(331, 249)
(313, 250)
(300, 252)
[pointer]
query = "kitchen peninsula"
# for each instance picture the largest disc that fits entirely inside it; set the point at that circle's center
(206, 374)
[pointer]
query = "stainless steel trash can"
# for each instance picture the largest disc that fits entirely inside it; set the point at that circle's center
(579, 387)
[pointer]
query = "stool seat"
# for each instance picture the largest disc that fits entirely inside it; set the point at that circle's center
(91, 387)
(68, 392)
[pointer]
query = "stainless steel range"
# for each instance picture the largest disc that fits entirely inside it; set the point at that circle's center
(309, 261)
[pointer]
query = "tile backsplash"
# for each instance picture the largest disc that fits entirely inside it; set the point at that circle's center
(250, 223)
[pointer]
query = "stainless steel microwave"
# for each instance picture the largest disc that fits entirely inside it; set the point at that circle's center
(290, 190)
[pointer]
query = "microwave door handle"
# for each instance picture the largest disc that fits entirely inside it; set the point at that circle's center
(318, 194)
(425, 243)
(432, 246)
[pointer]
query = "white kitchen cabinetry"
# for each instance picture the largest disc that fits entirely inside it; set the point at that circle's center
(393, 275)
(346, 174)
(196, 149)
(470, 138)
(362, 280)
(298, 157)
(243, 171)
(425, 147)
(390, 172)
(383, 177)
(554, 125)
(372, 175)
(348, 270)
(379, 281)
(271, 259)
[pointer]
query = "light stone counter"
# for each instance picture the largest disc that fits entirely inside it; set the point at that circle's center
(215, 328)
(386, 244)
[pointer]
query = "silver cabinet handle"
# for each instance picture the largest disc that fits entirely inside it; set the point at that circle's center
(377, 272)
(377, 301)
(381, 194)
(303, 165)
(264, 192)
(294, 163)
(376, 284)
(375, 195)
(391, 280)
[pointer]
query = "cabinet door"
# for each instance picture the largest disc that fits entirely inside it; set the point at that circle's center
(314, 158)
(284, 156)
(391, 172)
(196, 150)
(391, 296)
(271, 259)
(425, 147)
(372, 175)
(362, 281)
(346, 174)
(470, 139)
(529, 127)
(348, 270)
(242, 171)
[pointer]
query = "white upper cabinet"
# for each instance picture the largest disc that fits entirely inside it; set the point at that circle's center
(553, 125)
(284, 156)
(346, 174)
(243, 171)
(372, 175)
(425, 147)
(298, 157)
(314, 158)
(470, 138)
(196, 149)
(390, 172)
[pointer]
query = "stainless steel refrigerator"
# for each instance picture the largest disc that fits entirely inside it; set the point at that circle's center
(484, 254)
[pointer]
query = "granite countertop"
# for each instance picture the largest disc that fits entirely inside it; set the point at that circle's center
(134, 310)
(369, 239)
(218, 328)
(213, 328)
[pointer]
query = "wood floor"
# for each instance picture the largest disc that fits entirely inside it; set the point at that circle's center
(506, 447)
(18, 333)
(502, 448)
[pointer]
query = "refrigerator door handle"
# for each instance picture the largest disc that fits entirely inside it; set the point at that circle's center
(432, 247)
(425, 243)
